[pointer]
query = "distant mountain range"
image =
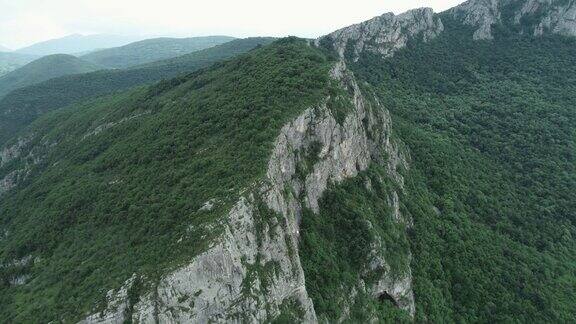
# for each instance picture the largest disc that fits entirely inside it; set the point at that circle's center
(150, 50)
(45, 68)
(74, 44)
(4, 49)
(10, 61)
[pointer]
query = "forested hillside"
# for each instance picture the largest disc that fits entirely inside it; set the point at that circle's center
(20, 107)
(491, 127)
(45, 68)
(134, 171)
(418, 167)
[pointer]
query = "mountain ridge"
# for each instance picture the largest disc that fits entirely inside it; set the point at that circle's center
(150, 50)
(76, 43)
(412, 168)
(22, 106)
(42, 69)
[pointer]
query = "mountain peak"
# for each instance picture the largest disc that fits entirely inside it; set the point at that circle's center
(385, 34)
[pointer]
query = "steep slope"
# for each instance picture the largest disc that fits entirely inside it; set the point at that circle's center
(490, 130)
(151, 50)
(417, 167)
(11, 61)
(216, 126)
(73, 44)
(45, 68)
(20, 107)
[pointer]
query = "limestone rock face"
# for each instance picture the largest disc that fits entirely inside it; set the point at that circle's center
(252, 272)
(546, 16)
(385, 34)
(558, 17)
(481, 14)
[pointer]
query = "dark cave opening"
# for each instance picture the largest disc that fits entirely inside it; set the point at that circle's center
(386, 297)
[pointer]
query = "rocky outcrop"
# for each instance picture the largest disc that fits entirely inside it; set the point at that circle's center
(535, 16)
(479, 13)
(385, 34)
(18, 159)
(252, 273)
(557, 17)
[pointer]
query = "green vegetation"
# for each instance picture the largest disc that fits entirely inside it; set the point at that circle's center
(121, 180)
(43, 69)
(491, 128)
(21, 107)
(151, 50)
(336, 247)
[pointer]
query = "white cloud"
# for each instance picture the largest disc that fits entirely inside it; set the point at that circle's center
(23, 22)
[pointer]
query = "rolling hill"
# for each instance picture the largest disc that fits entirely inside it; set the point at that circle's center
(73, 44)
(22, 106)
(42, 69)
(151, 50)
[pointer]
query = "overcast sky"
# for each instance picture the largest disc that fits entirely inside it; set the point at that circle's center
(23, 22)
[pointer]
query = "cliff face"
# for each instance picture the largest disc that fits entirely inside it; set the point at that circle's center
(385, 34)
(537, 16)
(253, 272)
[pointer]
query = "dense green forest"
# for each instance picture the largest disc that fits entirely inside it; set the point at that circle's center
(20, 107)
(335, 248)
(116, 166)
(121, 179)
(491, 129)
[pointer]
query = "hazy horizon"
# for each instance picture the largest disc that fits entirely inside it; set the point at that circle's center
(27, 22)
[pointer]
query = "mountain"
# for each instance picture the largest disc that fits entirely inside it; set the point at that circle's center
(4, 49)
(22, 106)
(73, 44)
(42, 69)
(10, 61)
(406, 169)
(151, 50)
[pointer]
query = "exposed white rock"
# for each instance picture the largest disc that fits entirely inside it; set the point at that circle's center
(551, 16)
(208, 205)
(118, 304)
(100, 128)
(558, 17)
(387, 33)
(13, 151)
(481, 14)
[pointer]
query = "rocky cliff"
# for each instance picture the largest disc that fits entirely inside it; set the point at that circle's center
(385, 34)
(253, 272)
(534, 16)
